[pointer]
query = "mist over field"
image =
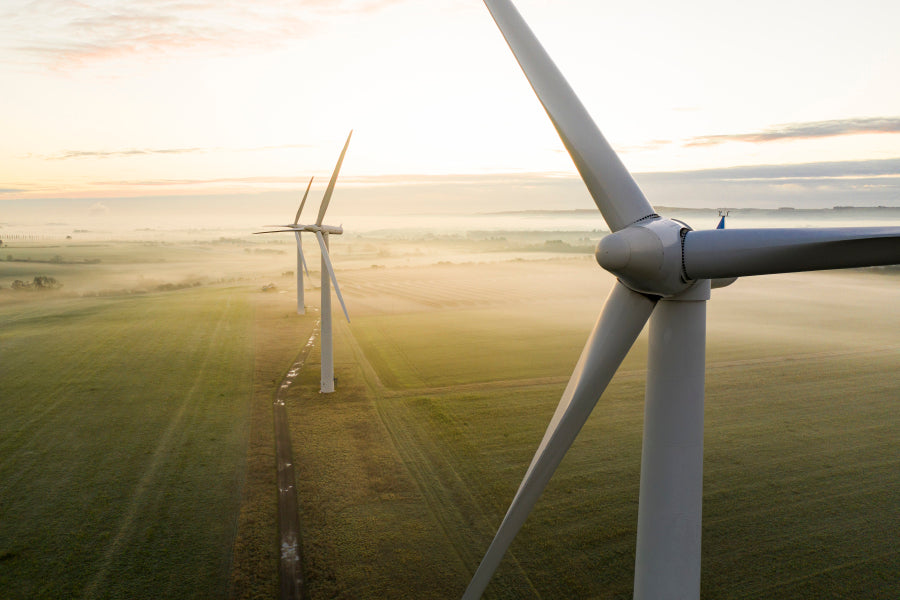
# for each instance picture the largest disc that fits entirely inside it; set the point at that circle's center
(193, 218)
(464, 331)
(169, 321)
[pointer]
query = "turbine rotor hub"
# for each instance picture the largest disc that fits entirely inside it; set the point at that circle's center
(647, 256)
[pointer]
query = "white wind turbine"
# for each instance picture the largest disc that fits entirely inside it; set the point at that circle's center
(322, 232)
(301, 260)
(664, 269)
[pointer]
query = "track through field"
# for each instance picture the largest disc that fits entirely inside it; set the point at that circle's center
(465, 525)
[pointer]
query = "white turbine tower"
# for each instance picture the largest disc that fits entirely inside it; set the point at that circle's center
(301, 260)
(321, 232)
(664, 269)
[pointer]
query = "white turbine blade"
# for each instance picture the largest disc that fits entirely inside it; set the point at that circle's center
(722, 253)
(330, 189)
(302, 202)
(327, 260)
(619, 324)
(274, 231)
(615, 192)
(300, 252)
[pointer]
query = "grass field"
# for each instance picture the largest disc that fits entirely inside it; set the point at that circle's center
(122, 443)
(464, 365)
(127, 430)
(137, 459)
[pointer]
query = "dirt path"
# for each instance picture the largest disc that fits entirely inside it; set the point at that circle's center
(290, 568)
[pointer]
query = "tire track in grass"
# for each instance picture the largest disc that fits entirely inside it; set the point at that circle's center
(163, 447)
(399, 391)
(453, 506)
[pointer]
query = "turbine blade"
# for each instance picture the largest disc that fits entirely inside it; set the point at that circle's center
(327, 258)
(619, 324)
(300, 252)
(302, 202)
(330, 189)
(612, 187)
(723, 253)
(274, 231)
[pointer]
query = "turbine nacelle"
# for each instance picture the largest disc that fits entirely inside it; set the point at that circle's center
(647, 257)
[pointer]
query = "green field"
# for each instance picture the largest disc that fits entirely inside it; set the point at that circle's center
(801, 467)
(137, 459)
(128, 430)
(122, 444)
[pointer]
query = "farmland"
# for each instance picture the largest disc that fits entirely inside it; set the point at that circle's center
(136, 454)
(126, 432)
(124, 421)
(464, 365)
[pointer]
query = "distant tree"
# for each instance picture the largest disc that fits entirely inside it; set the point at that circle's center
(42, 282)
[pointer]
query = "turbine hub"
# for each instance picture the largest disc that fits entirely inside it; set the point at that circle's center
(647, 257)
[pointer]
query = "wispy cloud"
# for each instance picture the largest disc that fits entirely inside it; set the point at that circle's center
(820, 171)
(122, 153)
(66, 34)
(808, 130)
(134, 152)
(825, 184)
(809, 174)
(98, 208)
(256, 180)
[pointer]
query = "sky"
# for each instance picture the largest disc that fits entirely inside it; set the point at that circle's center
(767, 103)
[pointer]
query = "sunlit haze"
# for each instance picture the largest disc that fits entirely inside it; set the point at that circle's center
(224, 103)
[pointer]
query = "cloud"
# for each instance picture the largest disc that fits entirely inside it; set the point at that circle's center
(98, 208)
(396, 180)
(808, 173)
(808, 130)
(261, 180)
(122, 153)
(868, 169)
(62, 34)
(69, 154)
(825, 184)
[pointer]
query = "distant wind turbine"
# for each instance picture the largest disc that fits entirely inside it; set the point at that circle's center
(321, 232)
(301, 260)
(664, 269)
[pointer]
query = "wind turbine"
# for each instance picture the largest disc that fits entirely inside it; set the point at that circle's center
(321, 232)
(664, 269)
(301, 260)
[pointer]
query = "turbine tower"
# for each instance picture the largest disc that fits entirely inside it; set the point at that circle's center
(665, 271)
(321, 232)
(301, 260)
